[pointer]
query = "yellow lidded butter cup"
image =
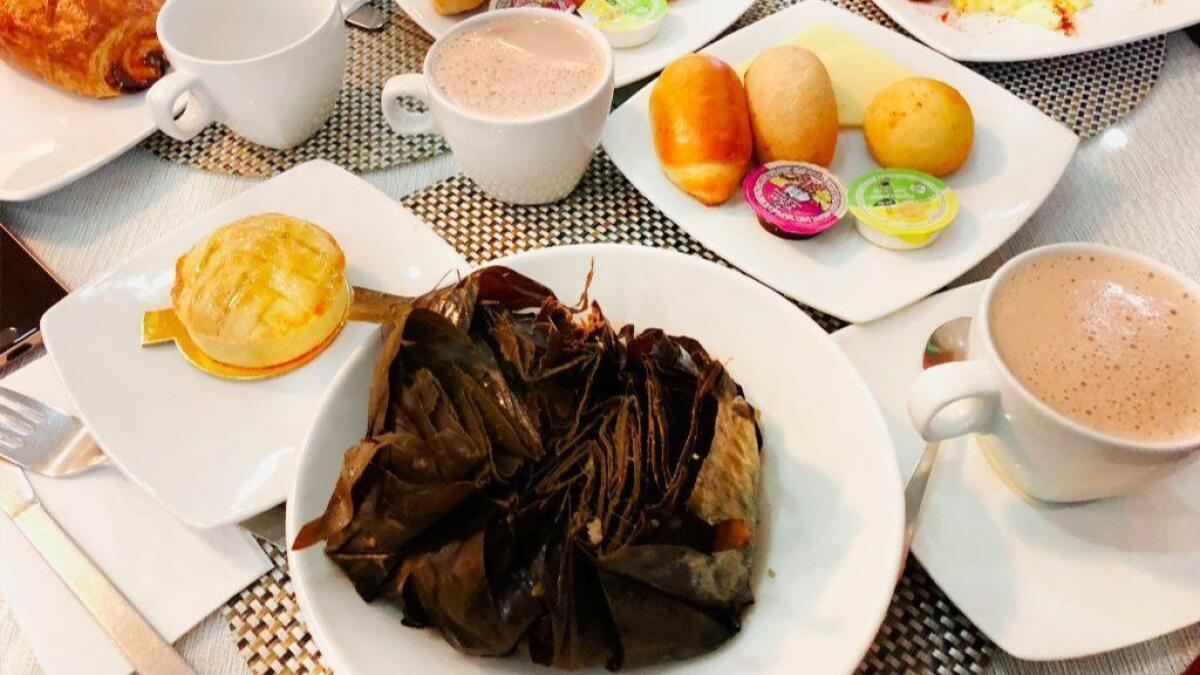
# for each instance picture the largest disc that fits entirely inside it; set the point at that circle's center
(901, 209)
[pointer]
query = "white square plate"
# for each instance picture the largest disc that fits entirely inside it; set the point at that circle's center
(991, 37)
(1018, 157)
(49, 138)
(688, 26)
(1044, 582)
(215, 451)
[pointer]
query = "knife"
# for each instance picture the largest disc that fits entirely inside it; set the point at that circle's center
(143, 647)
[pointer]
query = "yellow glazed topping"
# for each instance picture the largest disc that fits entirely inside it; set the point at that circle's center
(262, 290)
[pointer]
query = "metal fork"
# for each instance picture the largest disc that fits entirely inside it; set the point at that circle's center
(44, 440)
(39, 438)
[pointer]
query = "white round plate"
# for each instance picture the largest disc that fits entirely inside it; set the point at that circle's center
(992, 37)
(688, 26)
(832, 507)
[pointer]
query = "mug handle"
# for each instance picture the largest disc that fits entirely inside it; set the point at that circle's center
(406, 122)
(163, 99)
(932, 399)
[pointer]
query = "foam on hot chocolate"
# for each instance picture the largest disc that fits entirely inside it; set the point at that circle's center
(518, 67)
(1108, 342)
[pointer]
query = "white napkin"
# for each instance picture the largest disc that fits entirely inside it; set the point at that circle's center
(173, 574)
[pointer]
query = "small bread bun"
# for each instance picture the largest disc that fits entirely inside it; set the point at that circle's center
(921, 124)
(793, 110)
(701, 127)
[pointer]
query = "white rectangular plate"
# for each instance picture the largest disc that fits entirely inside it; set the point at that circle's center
(688, 26)
(991, 37)
(1044, 582)
(49, 138)
(216, 451)
(1018, 157)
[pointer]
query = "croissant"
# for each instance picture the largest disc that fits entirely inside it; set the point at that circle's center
(97, 48)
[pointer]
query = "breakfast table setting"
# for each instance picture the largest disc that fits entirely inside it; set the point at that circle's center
(700, 336)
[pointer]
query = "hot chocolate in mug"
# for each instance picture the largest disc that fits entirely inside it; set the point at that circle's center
(511, 149)
(1050, 451)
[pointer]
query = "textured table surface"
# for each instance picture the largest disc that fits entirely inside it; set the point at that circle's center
(1134, 186)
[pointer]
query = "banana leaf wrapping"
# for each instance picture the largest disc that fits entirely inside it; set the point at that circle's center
(533, 478)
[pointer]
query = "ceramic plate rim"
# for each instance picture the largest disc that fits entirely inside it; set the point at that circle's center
(80, 170)
(889, 462)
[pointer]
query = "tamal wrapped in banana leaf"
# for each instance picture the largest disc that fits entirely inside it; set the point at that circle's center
(533, 478)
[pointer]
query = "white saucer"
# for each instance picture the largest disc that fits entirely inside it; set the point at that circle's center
(1044, 582)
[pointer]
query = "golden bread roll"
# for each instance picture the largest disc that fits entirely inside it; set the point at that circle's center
(455, 6)
(921, 124)
(262, 291)
(701, 127)
(793, 111)
(97, 48)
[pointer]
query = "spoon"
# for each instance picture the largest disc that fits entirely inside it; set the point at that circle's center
(367, 18)
(947, 343)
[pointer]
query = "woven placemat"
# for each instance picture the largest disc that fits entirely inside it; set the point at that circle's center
(356, 137)
(923, 631)
(1087, 92)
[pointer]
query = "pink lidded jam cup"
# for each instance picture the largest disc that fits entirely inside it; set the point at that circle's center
(565, 5)
(795, 200)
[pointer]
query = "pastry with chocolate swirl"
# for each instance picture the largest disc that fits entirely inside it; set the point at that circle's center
(95, 48)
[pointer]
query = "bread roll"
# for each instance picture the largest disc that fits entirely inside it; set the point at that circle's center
(793, 110)
(921, 124)
(701, 127)
(455, 6)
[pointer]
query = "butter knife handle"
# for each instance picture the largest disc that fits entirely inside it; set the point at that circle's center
(142, 646)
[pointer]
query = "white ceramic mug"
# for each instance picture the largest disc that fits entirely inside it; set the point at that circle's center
(534, 160)
(270, 70)
(1048, 455)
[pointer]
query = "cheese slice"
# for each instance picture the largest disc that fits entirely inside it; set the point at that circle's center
(858, 72)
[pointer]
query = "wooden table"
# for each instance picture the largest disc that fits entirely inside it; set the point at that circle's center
(1137, 186)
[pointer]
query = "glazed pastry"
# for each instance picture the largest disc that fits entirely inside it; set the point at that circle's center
(701, 127)
(262, 291)
(455, 6)
(97, 48)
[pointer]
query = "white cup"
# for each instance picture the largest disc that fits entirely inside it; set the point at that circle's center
(270, 70)
(1048, 455)
(534, 160)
